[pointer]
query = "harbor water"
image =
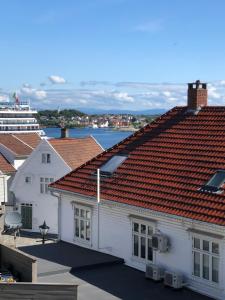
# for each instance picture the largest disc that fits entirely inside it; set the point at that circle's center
(106, 137)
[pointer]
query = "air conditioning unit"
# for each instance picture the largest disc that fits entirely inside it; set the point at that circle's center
(154, 272)
(173, 279)
(160, 242)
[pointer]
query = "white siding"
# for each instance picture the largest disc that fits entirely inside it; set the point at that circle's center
(116, 239)
(45, 206)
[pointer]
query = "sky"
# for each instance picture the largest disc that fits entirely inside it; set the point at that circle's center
(111, 54)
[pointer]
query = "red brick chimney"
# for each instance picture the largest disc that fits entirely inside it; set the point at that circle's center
(197, 95)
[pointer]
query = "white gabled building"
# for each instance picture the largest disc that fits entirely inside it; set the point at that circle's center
(49, 161)
(7, 173)
(17, 147)
(14, 150)
(162, 188)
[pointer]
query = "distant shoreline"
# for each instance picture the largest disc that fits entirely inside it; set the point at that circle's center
(82, 127)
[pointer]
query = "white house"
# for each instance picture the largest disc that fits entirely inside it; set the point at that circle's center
(7, 172)
(14, 149)
(17, 147)
(161, 188)
(50, 160)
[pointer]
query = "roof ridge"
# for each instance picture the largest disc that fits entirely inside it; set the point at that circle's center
(91, 136)
(22, 141)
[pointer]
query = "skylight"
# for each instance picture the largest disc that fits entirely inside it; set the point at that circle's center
(111, 165)
(215, 183)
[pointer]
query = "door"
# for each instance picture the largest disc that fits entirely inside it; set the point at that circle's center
(26, 214)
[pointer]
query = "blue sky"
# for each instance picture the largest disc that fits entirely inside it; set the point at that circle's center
(111, 53)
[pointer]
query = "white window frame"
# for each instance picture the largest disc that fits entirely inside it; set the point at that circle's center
(29, 181)
(46, 158)
(142, 235)
(44, 182)
(85, 219)
(208, 253)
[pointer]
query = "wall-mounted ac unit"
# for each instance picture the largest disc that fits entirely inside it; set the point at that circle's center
(160, 242)
(154, 272)
(173, 279)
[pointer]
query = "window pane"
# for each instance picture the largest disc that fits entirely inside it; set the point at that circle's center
(205, 245)
(215, 269)
(196, 243)
(88, 214)
(217, 179)
(150, 230)
(215, 248)
(88, 232)
(135, 245)
(77, 211)
(197, 264)
(82, 229)
(150, 249)
(82, 213)
(143, 247)
(136, 227)
(76, 227)
(205, 270)
(42, 179)
(48, 158)
(41, 188)
(143, 228)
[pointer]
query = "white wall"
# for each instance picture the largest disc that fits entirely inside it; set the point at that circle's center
(45, 206)
(116, 238)
(18, 162)
(11, 157)
(5, 182)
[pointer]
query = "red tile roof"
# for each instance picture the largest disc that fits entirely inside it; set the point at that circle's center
(20, 144)
(76, 151)
(5, 166)
(31, 139)
(168, 162)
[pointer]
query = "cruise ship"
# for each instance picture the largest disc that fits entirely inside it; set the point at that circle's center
(18, 117)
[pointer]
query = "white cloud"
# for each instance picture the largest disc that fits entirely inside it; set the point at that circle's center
(150, 26)
(4, 98)
(32, 93)
(56, 79)
(121, 95)
(166, 93)
(213, 93)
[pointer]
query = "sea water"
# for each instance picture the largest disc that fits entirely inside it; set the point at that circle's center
(106, 137)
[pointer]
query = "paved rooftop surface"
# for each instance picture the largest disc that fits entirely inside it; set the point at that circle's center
(99, 276)
(25, 239)
(63, 257)
(119, 282)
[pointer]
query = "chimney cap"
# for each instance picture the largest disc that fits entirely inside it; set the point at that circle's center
(197, 85)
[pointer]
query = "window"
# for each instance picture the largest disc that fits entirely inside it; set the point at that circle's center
(82, 223)
(44, 182)
(205, 259)
(215, 183)
(27, 179)
(111, 165)
(46, 158)
(142, 240)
